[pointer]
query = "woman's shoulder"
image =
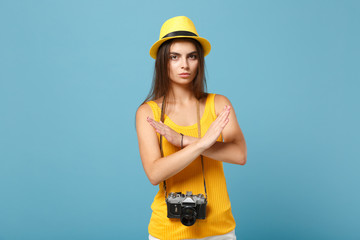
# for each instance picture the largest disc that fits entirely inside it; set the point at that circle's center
(150, 104)
(220, 101)
(149, 108)
(155, 102)
(143, 109)
(216, 96)
(220, 98)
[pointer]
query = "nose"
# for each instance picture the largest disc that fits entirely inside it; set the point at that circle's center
(184, 63)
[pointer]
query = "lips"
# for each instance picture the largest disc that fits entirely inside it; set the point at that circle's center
(184, 74)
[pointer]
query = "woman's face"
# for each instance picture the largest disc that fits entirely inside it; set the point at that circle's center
(183, 62)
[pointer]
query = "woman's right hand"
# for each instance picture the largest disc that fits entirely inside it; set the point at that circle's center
(216, 128)
(172, 136)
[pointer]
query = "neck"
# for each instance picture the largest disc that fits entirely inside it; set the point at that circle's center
(180, 95)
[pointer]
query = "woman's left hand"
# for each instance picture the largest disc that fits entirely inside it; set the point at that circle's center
(172, 136)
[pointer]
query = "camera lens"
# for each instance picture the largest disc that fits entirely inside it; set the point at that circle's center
(188, 216)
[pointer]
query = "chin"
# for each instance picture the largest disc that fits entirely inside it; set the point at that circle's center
(183, 82)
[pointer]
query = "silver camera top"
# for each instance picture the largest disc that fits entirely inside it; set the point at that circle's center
(181, 198)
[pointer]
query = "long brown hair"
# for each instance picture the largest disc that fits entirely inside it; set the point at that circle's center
(161, 82)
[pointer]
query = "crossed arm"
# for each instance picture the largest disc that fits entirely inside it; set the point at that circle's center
(157, 168)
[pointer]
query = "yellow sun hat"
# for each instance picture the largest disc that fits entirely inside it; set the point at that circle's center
(179, 27)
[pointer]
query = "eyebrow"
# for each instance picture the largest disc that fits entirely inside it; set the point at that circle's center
(175, 53)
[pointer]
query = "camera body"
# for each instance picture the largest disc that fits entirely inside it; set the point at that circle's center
(186, 207)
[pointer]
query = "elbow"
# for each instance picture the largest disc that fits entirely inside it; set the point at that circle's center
(243, 156)
(153, 174)
(240, 154)
(154, 182)
(242, 159)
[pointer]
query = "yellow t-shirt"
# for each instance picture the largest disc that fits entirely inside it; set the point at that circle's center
(219, 219)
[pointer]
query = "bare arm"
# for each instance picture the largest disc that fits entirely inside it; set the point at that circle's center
(159, 168)
(232, 150)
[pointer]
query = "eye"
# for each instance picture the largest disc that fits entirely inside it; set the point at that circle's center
(193, 56)
(173, 57)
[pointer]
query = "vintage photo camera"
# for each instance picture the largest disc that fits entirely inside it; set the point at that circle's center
(186, 207)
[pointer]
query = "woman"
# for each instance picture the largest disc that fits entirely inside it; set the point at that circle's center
(178, 98)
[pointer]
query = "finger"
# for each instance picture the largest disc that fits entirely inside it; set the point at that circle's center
(156, 126)
(160, 131)
(151, 122)
(220, 116)
(227, 109)
(226, 112)
(160, 127)
(154, 123)
(221, 122)
(225, 123)
(223, 115)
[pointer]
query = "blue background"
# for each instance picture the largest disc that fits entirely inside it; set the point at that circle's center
(72, 74)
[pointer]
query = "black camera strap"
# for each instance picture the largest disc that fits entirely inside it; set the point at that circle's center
(199, 135)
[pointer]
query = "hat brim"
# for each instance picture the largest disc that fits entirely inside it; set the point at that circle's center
(204, 43)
